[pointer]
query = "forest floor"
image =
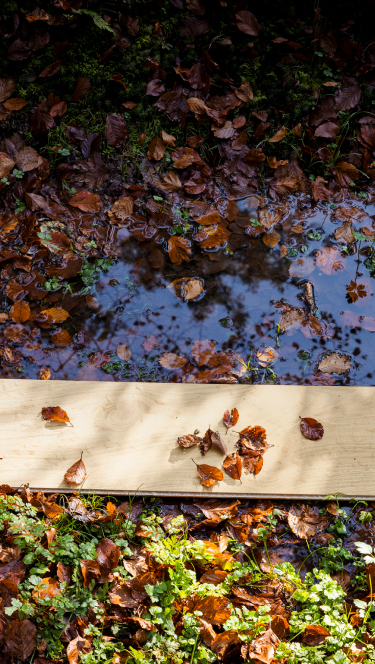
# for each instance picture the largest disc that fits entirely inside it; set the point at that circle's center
(185, 186)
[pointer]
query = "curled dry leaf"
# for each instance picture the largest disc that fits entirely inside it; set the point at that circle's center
(189, 440)
(311, 428)
(76, 474)
(172, 361)
(251, 446)
(124, 352)
(335, 363)
(55, 414)
(230, 419)
(232, 465)
(209, 475)
(212, 438)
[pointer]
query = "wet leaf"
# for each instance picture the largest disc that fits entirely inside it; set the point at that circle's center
(156, 149)
(271, 239)
(7, 87)
(210, 237)
(232, 465)
(245, 92)
(15, 104)
(76, 474)
(189, 440)
(121, 209)
(47, 589)
(179, 249)
(108, 554)
(267, 356)
(86, 201)
(20, 637)
(215, 610)
(124, 352)
(55, 414)
(51, 69)
(61, 338)
(6, 165)
(329, 260)
(223, 642)
(209, 475)
(230, 419)
(49, 317)
(82, 87)
(77, 647)
(20, 312)
(335, 363)
(170, 183)
(311, 428)
(150, 343)
(302, 267)
(280, 134)
(202, 351)
(172, 361)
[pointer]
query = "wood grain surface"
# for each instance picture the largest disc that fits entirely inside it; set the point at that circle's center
(128, 434)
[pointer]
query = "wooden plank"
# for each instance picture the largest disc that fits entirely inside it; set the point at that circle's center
(128, 432)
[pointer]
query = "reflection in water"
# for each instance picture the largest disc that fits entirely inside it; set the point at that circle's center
(246, 292)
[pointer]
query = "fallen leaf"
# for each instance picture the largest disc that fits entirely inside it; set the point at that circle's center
(15, 104)
(47, 589)
(6, 165)
(187, 289)
(335, 363)
(45, 373)
(170, 183)
(212, 438)
(329, 260)
(206, 632)
(202, 351)
(124, 352)
(86, 201)
(55, 414)
(223, 642)
(311, 428)
(230, 419)
(251, 446)
(232, 465)
(189, 440)
(209, 475)
(305, 521)
(179, 249)
(315, 635)
(280, 134)
(156, 149)
(247, 23)
(49, 317)
(267, 356)
(51, 69)
(82, 87)
(77, 647)
(271, 239)
(172, 361)
(262, 648)
(76, 474)
(61, 338)
(150, 343)
(274, 163)
(302, 267)
(20, 637)
(7, 87)
(245, 92)
(20, 312)
(121, 209)
(108, 554)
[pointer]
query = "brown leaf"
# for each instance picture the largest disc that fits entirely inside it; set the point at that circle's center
(263, 648)
(327, 130)
(61, 338)
(197, 106)
(172, 361)
(82, 87)
(27, 159)
(202, 351)
(267, 356)
(217, 509)
(156, 149)
(247, 23)
(86, 201)
(212, 438)
(223, 642)
(335, 363)
(45, 373)
(41, 122)
(280, 134)
(6, 165)
(64, 573)
(170, 183)
(121, 595)
(20, 312)
(124, 352)
(302, 267)
(209, 475)
(245, 92)
(51, 589)
(51, 69)
(20, 637)
(189, 440)
(305, 521)
(150, 343)
(79, 646)
(344, 234)
(230, 419)
(271, 239)
(311, 428)
(7, 87)
(251, 445)
(15, 104)
(210, 237)
(232, 465)
(207, 632)
(55, 414)
(115, 130)
(179, 249)
(314, 635)
(108, 554)
(76, 474)
(121, 209)
(215, 610)
(49, 317)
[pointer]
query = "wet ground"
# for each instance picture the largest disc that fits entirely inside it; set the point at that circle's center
(308, 296)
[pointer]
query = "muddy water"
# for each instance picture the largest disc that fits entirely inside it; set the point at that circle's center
(239, 308)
